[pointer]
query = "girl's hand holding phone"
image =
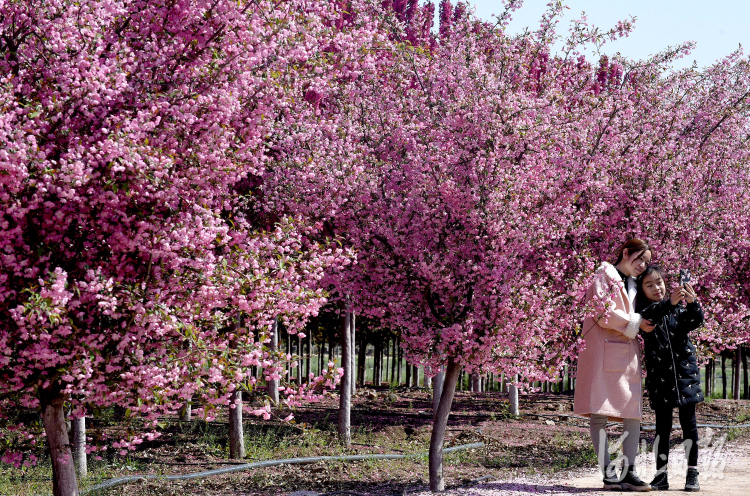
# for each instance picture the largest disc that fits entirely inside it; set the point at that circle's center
(678, 295)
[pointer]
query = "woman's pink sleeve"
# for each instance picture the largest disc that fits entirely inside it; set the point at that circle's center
(614, 317)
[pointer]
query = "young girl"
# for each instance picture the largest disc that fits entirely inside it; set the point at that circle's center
(673, 379)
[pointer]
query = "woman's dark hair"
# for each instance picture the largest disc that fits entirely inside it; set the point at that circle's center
(641, 301)
(634, 245)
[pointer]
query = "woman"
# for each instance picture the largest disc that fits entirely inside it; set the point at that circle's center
(608, 381)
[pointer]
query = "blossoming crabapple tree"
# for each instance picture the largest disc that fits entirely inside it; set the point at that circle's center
(132, 134)
(480, 181)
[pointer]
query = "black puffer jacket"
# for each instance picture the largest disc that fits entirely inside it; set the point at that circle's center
(672, 370)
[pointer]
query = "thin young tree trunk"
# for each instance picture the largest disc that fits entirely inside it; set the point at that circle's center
(745, 389)
(730, 392)
(400, 359)
(426, 380)
(439, 424)
(724, 376)
(78, 428)
(408, 375)
(476, 384)
(361, 361)
(353, 352)
(382, 363)
(345, 387)
(186, 412)
(272, 385)
(394, 361)
(299, 360)
(64, 481)
(437, 391)
(387, 361)
(309, 356)
(415, 375)
(376, 356)
(321, 352)
(236, 436)
(707, 381)
(289, 352)
(736, 368)
(513, 397)
(331, 346)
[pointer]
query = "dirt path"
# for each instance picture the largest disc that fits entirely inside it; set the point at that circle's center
(725, 471)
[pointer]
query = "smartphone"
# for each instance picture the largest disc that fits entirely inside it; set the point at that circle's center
(684, 276)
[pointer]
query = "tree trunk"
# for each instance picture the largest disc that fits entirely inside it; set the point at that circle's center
(272, 386)
(289, 352)
(382, 363)
(387, 361)
(186, 412)
(513, 397)
(408, 375)
(400, 359)
(376, 363)
(745, 389)
(64, 481)
(331, 346)
(736, 368)
(79, 445)
(439, 424)
(321, 353)
(353, 353)
(299, 360)
(345, 386)
(730, 392)
(236, 436)
(476, 382)
(309, 356)
(415, 375)
(724, 376)
(361, 361)
(437, 391)
(426, 380)
(394, 361)
(707, 380)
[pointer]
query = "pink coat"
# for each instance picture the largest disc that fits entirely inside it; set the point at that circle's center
(608, 381)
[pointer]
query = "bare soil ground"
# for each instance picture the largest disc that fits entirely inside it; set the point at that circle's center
(546, 449)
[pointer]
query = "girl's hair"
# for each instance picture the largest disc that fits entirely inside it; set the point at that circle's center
(634, 245)
(641, 300)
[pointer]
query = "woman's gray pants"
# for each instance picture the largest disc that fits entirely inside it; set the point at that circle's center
(631, 434)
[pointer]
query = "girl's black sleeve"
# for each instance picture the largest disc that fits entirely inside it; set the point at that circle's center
(690, 319)
(657, 310)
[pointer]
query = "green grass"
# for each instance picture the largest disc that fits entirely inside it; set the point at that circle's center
(37, 480)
